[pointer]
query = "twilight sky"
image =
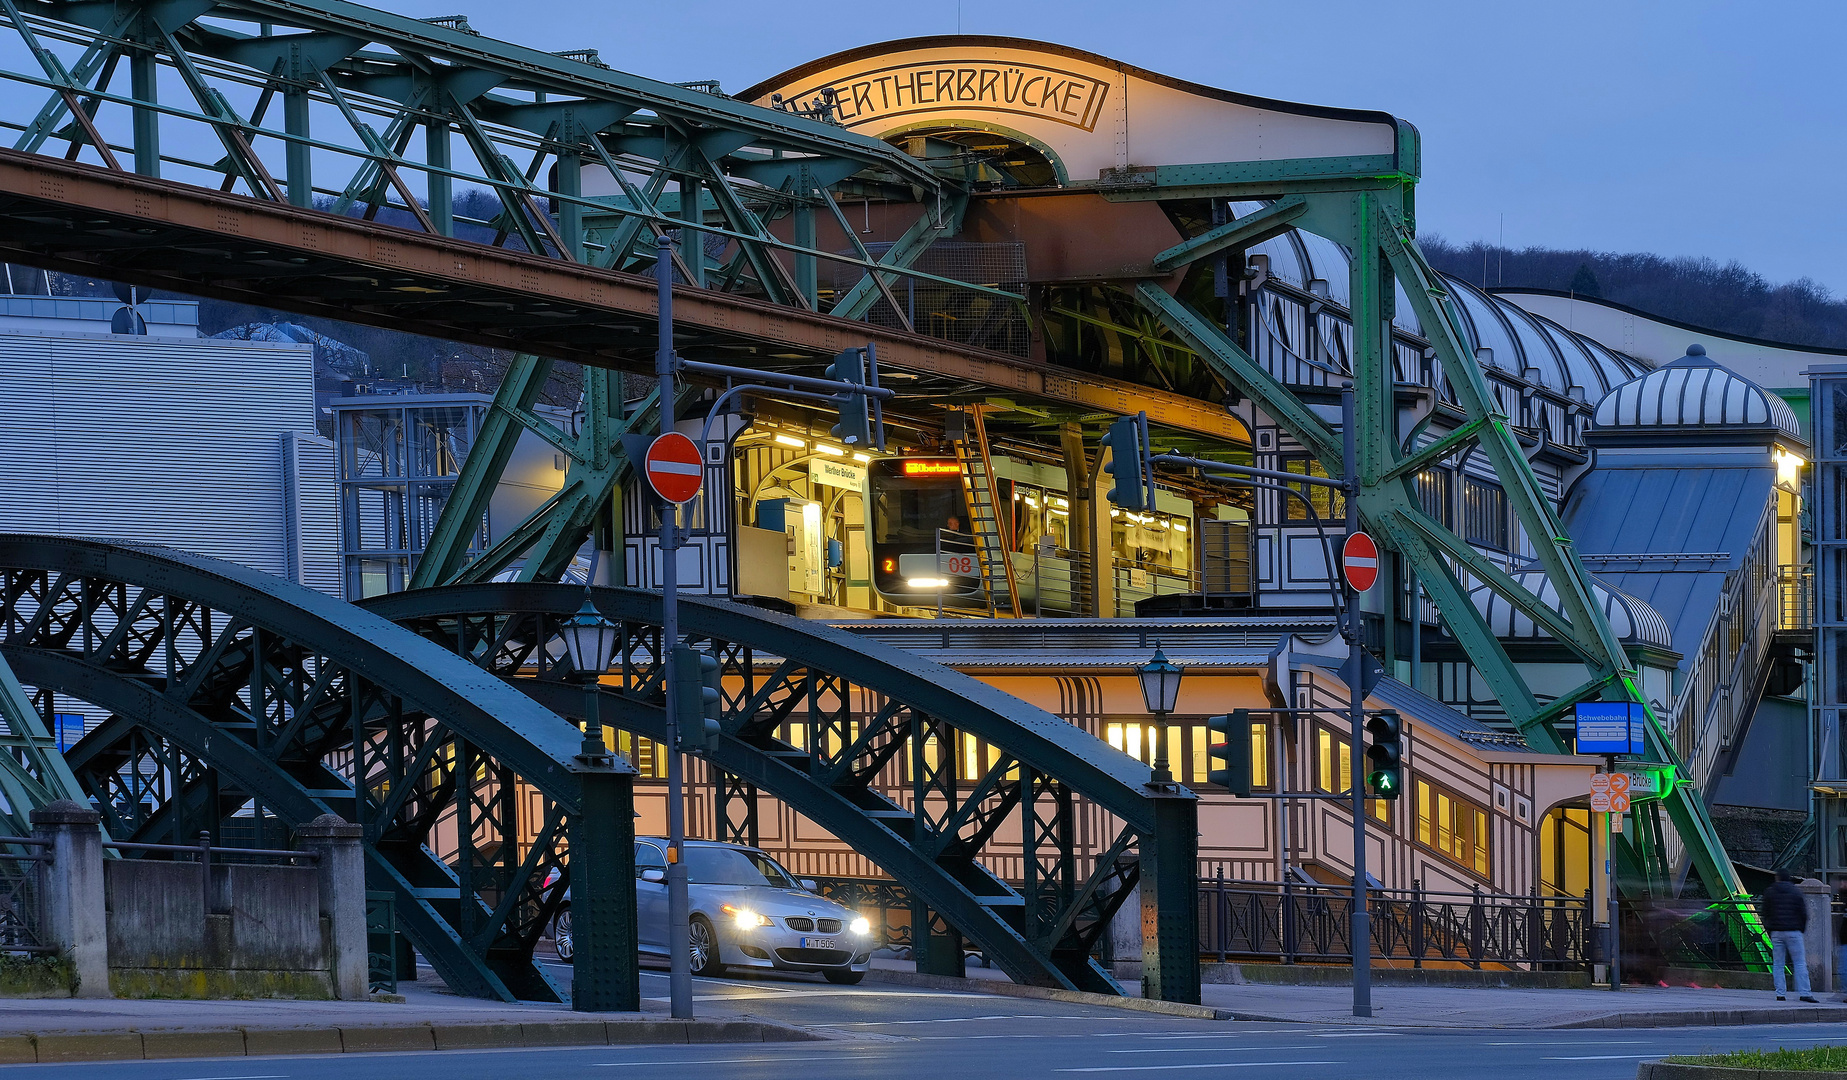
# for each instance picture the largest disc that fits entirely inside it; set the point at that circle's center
(1691, 128)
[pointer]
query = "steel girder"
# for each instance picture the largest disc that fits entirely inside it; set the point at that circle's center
(32, 770)
(1371, 214)
(782, 671)
(161, 234)
(230, 687)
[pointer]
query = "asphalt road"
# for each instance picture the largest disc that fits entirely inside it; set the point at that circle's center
(898, 1033)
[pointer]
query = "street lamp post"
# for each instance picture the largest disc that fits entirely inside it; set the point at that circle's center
(1160, 690)
(604, 968)
(590, 639)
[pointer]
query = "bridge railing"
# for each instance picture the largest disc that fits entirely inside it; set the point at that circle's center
(1291, 922)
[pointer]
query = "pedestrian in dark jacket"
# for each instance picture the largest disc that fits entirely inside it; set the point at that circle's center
(1785, 915)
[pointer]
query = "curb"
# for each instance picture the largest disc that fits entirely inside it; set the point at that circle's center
(1661, 1070)
(1001, 988)
(1710, 1018)
(158, 1045)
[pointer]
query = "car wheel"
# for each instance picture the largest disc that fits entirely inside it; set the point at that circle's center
(843, 977)
(561, 936)
(702, 948)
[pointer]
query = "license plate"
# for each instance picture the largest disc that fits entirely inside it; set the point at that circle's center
(820, 943)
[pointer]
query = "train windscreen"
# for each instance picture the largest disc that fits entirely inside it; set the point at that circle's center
(912, 499)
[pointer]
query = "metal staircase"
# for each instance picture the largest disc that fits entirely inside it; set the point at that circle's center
(971, 450)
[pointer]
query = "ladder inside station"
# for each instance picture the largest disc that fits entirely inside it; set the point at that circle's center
(984, 514)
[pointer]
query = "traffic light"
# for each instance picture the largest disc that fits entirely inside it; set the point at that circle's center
(1385, 757)
(699, 696)
(855, 426)
(1127, 442)
(1232, 749)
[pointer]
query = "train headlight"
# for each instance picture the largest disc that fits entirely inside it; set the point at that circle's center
(861, 927)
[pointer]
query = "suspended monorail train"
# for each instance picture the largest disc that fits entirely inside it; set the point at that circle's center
(922, 546)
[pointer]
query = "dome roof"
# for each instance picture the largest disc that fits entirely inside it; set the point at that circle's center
(1694, 392)
(1520, 345)
(1632, 619)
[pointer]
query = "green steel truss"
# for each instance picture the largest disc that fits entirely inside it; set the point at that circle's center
(834, 725)
(225, 686)
(428, 125)
(1370, 211)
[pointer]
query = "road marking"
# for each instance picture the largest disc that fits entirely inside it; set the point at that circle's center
(1205, 1049)
(265, 1076)
(1360, 1035)
(1606, 1057)
(704, 1061)
(1207, 1065)
(1556, 1042)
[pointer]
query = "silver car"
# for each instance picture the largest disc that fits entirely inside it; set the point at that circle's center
(745, 911)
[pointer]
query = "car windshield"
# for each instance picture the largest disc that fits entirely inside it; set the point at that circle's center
(729, 866)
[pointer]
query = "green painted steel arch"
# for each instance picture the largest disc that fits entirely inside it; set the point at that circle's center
(872, 825)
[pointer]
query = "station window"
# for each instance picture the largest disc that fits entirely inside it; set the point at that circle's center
(1434, 488)
(1485, 517)
(1334, 771)
(643, 753)
(1453, 826)
(1329, 504)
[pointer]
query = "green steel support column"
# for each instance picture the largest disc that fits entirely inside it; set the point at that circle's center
(299, 158)
(438, 154)
(143, 74)
(936, 946)
(607, 975)
(1170, 902)
(487, 460)
(806, 279)
(692, 249)
(571, 214)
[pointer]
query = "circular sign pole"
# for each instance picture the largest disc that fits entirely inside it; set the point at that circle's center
(679, 925)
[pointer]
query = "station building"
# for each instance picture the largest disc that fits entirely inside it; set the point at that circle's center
(982, 538)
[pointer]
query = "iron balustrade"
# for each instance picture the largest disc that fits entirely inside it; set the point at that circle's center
(1690, 933)
(22, 860)
(1292, 922)
(1136, 581)
(883, 902)
(1796, 586)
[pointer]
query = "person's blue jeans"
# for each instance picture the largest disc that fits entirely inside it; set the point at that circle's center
(1786, 947)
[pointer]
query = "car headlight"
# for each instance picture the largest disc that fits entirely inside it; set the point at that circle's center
(745, 918)
(861, 927)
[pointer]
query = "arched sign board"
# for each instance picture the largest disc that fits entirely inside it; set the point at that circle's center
(1096, 129)
(1093, 115)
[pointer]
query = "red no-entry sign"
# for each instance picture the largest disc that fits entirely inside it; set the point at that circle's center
(1359, 561)
(673, 467)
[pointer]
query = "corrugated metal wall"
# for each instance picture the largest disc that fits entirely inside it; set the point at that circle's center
(311, 511)
(167, 440)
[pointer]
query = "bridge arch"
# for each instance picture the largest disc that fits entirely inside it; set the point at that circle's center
(227, 686)
(781, 670)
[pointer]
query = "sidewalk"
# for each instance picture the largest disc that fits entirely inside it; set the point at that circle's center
(1453, 1007)
(83, 1029)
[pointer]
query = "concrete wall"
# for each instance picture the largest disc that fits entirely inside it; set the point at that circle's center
(157, 928)
(262, 936)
